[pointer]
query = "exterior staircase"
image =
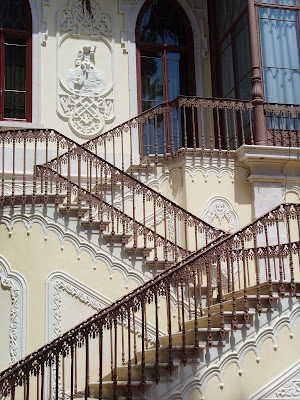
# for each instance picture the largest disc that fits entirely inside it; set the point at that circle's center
(243, 276)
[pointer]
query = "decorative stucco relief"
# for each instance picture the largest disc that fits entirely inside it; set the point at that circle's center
(59, 281)
(85, 92)
(221, 208)
(17, 285)
(286, 386)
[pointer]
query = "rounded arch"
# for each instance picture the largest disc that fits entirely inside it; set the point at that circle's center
(198, 33)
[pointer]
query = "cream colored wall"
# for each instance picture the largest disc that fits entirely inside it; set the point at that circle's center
(255, 375)
(35, 258)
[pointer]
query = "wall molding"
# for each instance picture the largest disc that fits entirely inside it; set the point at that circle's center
(254, 344)
(17, 285)
(285, 386)
(80, 244)
(59, 281)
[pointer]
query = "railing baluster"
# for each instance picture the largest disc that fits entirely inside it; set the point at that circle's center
(100, 362)
(56, 375)
(115, 372)
(169, 324)
(24, 170)
(3, 170)
(143, 381)
(72, 373)
(13, 170)
(129, 391)
(134, 336)
(184, 354)
(157, 372)
(87, 368)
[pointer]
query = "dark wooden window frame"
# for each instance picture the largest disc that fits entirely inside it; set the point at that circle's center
(188, 49)
(16, 34)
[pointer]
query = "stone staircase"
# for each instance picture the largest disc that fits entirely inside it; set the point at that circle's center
(187, 346)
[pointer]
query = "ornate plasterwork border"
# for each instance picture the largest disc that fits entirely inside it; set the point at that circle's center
(285, 386)
(290, 189)
(59, 281)
(17, 285)
(79, 243)
(237, 357)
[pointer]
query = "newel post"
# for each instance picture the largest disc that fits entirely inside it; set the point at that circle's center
(260, 130)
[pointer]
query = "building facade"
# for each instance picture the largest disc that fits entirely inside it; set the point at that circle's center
(133, 134)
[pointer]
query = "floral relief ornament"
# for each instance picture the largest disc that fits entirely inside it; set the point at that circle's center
(289, 390)
(85, 106)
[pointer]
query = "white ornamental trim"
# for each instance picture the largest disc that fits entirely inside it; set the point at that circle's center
(80, 244)
(59, 281)
(253, 344)
(17, 285)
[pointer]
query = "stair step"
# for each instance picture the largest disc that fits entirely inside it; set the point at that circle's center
(139, 253)
(118, 237)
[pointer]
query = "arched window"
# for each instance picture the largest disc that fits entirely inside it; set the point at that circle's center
(15, 60)
(165, 61)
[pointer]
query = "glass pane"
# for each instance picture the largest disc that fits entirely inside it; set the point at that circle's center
(152, 77)
(15, 64)
(283, 2)
(282, 85)
(162, 23)
(178, 75)
(242, 54)
(14, 105)
(152, 134)
(227, 72)
(280, 55)
(12, 15)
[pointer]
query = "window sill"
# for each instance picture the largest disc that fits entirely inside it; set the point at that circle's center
(4, 125)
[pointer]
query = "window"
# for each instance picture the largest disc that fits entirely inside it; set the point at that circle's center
(230, 49)
(279, 33)
(165, 63)
(230, 59)
(15, 60)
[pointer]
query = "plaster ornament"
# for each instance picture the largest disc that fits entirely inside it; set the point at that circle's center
(221, 208)
(85, 106)
(289, 390)
(73, 18)
(17, 285)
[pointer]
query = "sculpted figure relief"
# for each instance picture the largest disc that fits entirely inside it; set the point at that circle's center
(85, 78)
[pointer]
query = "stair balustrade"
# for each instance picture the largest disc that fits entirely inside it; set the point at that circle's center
(218, 288)
(121, 207)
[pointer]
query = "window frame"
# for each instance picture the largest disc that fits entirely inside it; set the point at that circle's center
(16, 34)
(165, 49)
(261, 4)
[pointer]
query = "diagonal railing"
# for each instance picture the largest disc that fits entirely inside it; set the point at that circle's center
(22, 152)
(265, 251)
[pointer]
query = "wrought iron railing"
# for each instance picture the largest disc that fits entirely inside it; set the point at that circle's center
(267, 250)
(117, 196)
(185, 122)
(283, 124)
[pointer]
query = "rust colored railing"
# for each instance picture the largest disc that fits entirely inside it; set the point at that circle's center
(117, 196)
(283, 125)
(230, 272)
(185, 122)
